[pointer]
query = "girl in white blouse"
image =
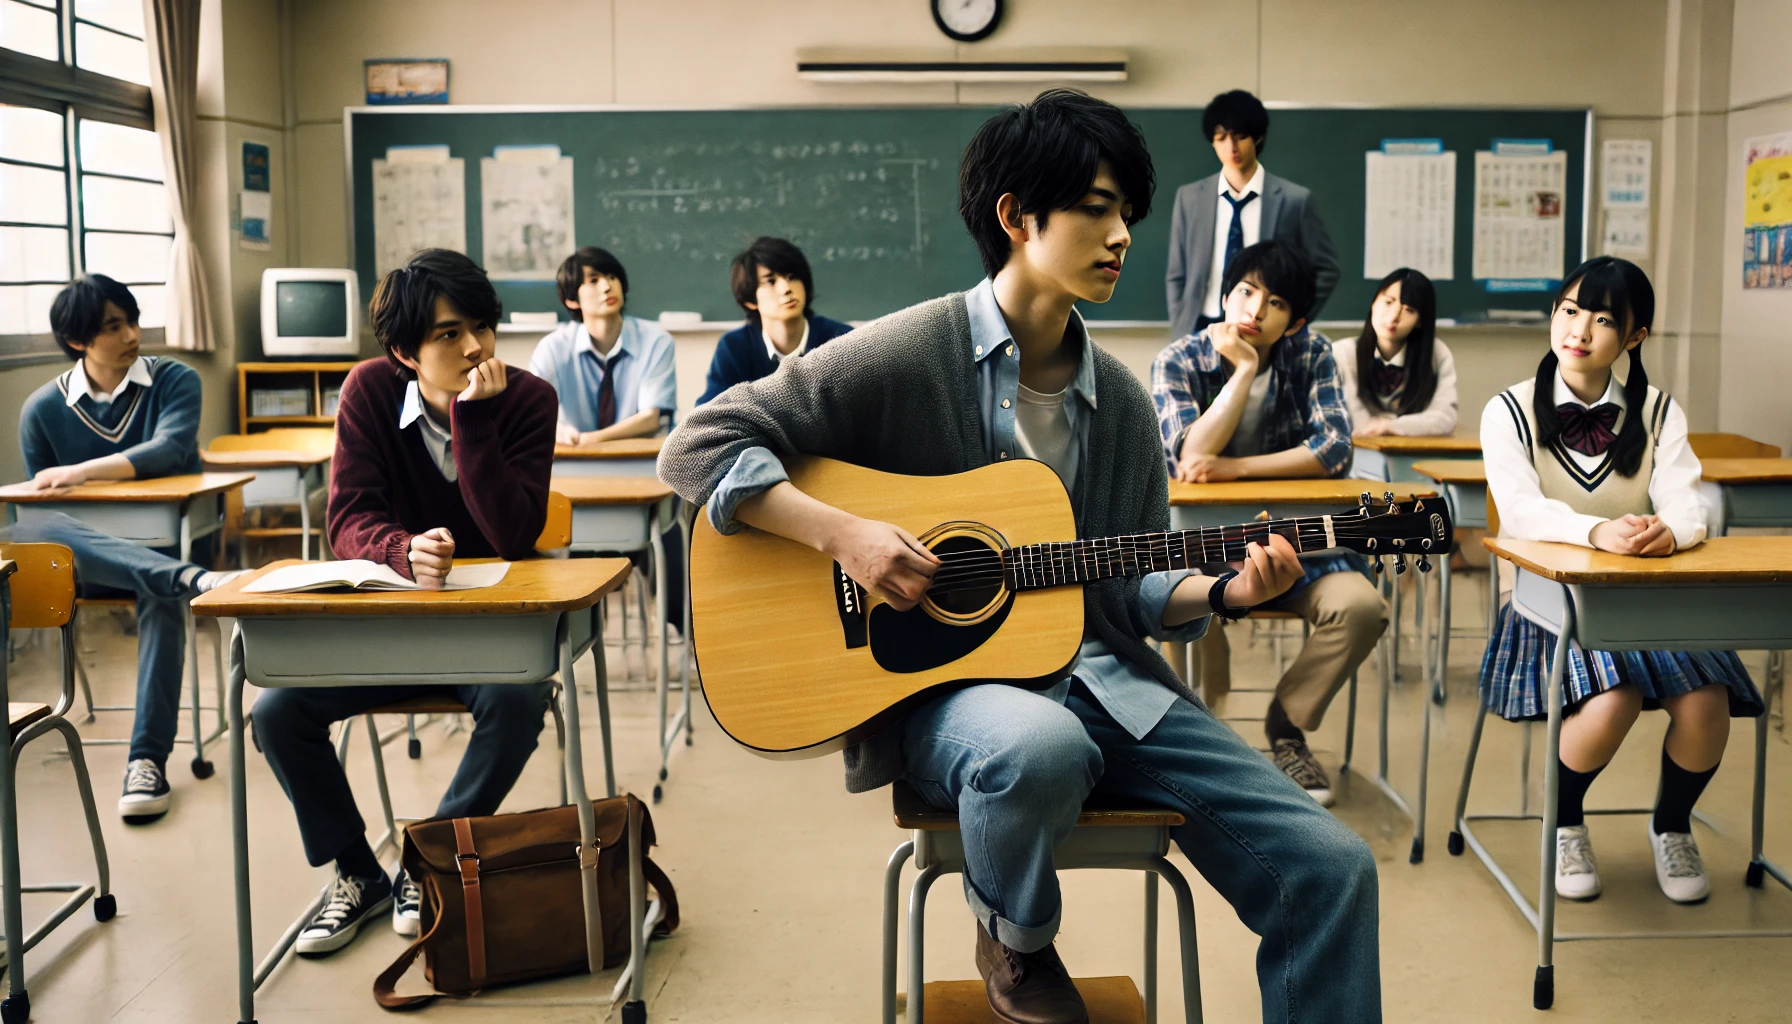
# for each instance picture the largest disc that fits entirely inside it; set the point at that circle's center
(1576, 457)
(1398, 378)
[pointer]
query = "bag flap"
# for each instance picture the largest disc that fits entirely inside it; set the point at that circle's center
(521, 839)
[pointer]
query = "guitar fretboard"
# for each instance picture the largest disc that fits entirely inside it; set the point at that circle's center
(1057, 564)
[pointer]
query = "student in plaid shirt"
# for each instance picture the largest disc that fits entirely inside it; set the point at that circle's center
(1252, 397)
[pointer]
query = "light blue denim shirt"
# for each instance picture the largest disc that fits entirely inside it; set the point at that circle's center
(646, 377)
(1134, 699)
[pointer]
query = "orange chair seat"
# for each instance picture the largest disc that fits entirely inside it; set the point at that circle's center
(18, 716)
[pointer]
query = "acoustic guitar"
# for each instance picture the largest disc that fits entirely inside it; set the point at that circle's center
(798, 660)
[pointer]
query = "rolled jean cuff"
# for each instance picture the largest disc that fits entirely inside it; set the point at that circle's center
(1019, 938)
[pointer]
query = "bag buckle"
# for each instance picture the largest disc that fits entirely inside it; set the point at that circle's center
(588, 855)
(469, 867)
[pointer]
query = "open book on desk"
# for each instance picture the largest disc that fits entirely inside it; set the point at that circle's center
(361, 574)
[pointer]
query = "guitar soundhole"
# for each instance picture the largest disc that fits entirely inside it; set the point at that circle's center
(955, 552)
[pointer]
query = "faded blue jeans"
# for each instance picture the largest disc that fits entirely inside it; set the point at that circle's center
(1018, 767)
(163, 586)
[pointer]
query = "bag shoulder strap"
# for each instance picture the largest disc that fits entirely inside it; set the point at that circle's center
(385, 986)
(467, 857)
(668, 896)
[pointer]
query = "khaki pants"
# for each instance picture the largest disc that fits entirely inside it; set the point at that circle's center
(1347, 615)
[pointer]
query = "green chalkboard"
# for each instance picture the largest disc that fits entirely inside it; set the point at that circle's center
(870, 194)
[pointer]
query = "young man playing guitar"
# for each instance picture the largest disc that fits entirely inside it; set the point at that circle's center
(1007, 370)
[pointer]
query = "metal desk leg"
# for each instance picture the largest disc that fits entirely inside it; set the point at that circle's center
(1185, 922)
(1439, 691)
(304, 514)
(17, 1005)
(690, 728)
(570, 698)
(917, 950)
(1543, 991)
(1759, 866)
(658, 544)
(892, 895)
(239, 835)
(575, 784)
(1150, 947)
(635, 1010)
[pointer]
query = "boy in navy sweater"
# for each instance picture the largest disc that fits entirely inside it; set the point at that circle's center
(118, 415)
(774, 287)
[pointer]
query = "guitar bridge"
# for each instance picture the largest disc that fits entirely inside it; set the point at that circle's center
(849, 599)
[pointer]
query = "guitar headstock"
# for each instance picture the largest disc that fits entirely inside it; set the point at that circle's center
(1419, 528)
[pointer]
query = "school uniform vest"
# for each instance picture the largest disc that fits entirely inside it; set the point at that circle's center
(1603, 491)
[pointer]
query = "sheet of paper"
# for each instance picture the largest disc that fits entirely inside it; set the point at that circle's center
(1625, 171)
(476, 577)
(1767, 212)
(417, 205)
(1520, 227)
(526, 213)
(1626, 231)
(1409, 214)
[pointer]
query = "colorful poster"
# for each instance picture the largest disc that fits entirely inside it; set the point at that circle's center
(1767, 212)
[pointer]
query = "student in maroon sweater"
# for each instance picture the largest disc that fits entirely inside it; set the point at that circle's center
(441, 450)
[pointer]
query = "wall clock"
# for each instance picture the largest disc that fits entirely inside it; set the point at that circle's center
(967, 20)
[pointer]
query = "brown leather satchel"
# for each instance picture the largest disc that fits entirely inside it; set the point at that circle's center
(503, 900)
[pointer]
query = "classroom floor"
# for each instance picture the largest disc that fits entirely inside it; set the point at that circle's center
(779, 874)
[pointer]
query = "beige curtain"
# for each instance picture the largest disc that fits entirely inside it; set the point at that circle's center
(172, 32)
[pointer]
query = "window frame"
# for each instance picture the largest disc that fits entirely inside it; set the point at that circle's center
(75, 94)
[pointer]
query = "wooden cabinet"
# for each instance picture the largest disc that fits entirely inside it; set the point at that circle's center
(308, 390)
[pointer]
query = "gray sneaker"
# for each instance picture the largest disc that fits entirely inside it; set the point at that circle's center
(1299, 764)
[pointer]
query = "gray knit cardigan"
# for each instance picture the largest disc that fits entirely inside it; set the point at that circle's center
(900, 395)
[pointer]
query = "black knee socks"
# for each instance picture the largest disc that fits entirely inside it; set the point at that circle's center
(1277, 725)
(1571, 794)
(1680, 789)
(358, 861)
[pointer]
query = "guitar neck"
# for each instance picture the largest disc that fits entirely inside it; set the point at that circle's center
(1033, 566)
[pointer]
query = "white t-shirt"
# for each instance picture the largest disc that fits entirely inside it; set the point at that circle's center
(1042, 429)
(1247, 436)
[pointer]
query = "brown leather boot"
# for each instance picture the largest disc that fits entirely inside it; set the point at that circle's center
(1027, 988)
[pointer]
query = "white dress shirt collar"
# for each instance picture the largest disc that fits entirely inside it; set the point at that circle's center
(1398, 360)
(802, 345)
(439, 440)
(78, 384)
(1254, 185)
(1614, 393)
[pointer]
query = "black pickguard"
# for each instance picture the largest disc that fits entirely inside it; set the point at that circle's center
(914, 641)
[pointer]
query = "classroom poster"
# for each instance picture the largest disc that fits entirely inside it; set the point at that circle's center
(1767, 212)
(526, 212)
(255, 208)
(1409, 214)
(1520, 232)
(419, 202)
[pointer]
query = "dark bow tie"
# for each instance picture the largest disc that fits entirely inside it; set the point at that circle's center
(1389, 379)
(1588, 431)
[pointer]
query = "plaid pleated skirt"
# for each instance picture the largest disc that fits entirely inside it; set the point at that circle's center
(1515, 673)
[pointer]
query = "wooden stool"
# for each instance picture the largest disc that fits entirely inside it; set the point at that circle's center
(1124, 838)
(37, 591)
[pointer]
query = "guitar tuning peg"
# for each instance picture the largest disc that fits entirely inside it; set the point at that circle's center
(1424, 564)
(1363, 499)
(1388, 496)
(1399, 565)
(1375, 563)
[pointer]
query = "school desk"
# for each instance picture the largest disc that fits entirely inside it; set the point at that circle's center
(1193, 506)
(280, 478)
(1729, 593)
(162, 512)
(1389, 458)
(535, 623)
(1747, 492)
(631, 456)
(625, 514)
(1464, 482)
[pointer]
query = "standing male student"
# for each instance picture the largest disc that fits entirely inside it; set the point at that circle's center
(1049, 191)
(120, 415)
(774, 287)
(441, 452)
(1258, 397)
(1243, 204)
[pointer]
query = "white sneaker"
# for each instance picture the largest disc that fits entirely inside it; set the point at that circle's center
(351, 902)
(1678, 868)
(1577, 876)
(407, 907)
(146, 793)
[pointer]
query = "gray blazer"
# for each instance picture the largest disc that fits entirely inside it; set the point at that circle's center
(1289, 215)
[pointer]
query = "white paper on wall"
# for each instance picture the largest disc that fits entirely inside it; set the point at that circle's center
(1520, 223)
(1409, 214)
(526, 209)
(417, 206)
(1626, 231)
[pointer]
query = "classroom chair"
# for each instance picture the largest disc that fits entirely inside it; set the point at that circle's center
(1132, 838)
(300, 491)
(37, 591)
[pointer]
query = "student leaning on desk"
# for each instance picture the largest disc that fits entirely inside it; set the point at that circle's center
(441, 451)
(120, 415)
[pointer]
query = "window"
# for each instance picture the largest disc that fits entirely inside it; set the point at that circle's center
(81, 177)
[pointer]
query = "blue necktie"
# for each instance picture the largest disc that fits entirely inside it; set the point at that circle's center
(1235, 233)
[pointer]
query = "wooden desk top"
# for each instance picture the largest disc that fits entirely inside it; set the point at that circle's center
(1306, 492)
(265, 459)
(1718, 560)
(531, 586)
(627, 448)
(159, 489)
(1747, 471)
(1453, 471)
(1418, 445)
(610, 490)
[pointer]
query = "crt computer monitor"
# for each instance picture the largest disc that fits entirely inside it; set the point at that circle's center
(310, 313)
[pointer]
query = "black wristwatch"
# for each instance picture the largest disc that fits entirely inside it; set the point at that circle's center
(1216, 599)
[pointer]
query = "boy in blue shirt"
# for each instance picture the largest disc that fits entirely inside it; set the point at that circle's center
(615, 374)
(775, 288)
(118, 415)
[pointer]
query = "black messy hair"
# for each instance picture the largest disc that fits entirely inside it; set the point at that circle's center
(79, 311)
(1282, 269)
(404, 305)
(1238, 112)
(778, 255)
(1046, 152)
(1606, 284)
(572, 271)
(1417, 291)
